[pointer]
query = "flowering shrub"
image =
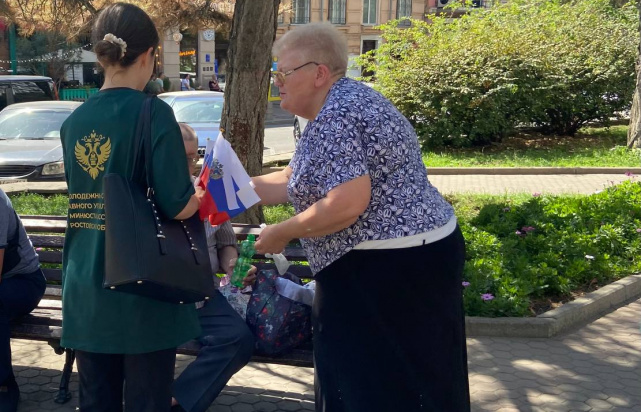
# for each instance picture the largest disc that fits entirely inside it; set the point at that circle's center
(536, 247)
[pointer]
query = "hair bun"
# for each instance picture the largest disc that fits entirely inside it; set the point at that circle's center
(117, 41)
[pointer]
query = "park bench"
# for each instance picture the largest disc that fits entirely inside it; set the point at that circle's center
(45, 322)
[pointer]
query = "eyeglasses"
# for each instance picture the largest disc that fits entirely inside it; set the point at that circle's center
(280, 76)
(193, 159)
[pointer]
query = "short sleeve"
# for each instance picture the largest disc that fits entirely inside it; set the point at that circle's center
(6, 214)
(171, 182)
(341, 136)
(225, 235)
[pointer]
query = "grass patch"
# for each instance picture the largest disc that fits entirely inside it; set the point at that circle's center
(37, 204)
(592, 147)
(278, 213)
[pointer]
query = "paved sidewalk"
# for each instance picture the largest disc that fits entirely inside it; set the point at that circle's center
(452, 183)
(596, 368)
(550, 184)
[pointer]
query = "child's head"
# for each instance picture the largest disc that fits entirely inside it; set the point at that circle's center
(190, 139)
(123, 33)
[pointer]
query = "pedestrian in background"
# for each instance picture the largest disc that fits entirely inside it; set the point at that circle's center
(214, 86)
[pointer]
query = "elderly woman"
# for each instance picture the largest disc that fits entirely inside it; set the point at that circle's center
(384, 245)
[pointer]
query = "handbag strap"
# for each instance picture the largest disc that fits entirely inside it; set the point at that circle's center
(142, 156)
(142, 164)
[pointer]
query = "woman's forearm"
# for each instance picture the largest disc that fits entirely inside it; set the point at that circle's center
(189, 210)
(272, 187)
(340, 209)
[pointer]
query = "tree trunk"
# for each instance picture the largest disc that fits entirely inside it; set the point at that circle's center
(252, 35)
(634, 130)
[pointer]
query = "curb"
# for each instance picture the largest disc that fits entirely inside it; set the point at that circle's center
(35, 187)
(530, 170)
(569, 316)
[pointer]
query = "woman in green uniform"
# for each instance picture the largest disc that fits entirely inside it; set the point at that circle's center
(125, 344)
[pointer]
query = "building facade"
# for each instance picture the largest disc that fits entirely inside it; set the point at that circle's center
(356, 18)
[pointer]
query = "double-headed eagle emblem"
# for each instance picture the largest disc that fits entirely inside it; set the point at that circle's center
(92, 155)
(216, 171)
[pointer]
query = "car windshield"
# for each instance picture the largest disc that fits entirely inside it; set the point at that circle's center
(29, 124)
(198, 111)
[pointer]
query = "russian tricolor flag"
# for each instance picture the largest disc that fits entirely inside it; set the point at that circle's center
(229, 190)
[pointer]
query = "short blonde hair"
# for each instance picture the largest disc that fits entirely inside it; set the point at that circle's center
(318, 42)
(188, 133)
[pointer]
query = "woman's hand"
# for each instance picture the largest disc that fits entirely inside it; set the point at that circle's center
(271, 240)
(200, 193)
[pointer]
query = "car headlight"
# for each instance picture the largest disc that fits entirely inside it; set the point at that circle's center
(55, 168)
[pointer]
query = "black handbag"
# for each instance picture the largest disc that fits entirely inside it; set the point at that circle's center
(147, 253)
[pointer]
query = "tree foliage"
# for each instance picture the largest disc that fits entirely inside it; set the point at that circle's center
(552, 64)
(47, 53)
(73, 17)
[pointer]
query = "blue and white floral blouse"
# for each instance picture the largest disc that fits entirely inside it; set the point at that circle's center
(359, 132)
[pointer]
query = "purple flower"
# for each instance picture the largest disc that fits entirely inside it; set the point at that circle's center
(527, 229)
(639, 230)
(518, 232)
(536, 194)
(629, 173)
(487, 296)
(465, 284)
(38, 249)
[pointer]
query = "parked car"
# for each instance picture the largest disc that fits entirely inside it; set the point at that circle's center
(201, 110)
(30, 145)
(300, 123)
(19, 89)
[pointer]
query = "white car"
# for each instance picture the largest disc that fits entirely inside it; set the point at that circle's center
(201, 110)
(30, 146)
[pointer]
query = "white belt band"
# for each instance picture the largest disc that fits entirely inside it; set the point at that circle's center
(411, 241)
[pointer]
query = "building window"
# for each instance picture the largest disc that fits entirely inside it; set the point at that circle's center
(337, 11)
(281, 18)
(369, 11)
(403, 8)
(300, 11)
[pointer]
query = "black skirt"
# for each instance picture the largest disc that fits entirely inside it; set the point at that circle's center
(389, 330)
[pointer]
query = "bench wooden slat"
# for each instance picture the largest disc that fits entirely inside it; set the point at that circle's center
(58, 224)
(48, 241)
(45, 217)
(52, 274)
(46, 256)
(44, 225)
(301, 271)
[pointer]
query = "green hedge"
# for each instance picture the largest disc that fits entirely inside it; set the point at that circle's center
(474, 79)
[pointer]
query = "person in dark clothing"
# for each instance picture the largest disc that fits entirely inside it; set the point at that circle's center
(22, 285)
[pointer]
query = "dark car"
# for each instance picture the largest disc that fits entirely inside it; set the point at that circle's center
(20, 89)
(30, 146)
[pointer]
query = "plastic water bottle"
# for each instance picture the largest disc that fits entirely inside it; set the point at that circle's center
(243, 264)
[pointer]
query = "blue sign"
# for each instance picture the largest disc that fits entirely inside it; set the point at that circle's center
(216, 65)
(207, 58)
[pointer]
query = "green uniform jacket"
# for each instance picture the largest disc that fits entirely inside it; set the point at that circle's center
(97, 139)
